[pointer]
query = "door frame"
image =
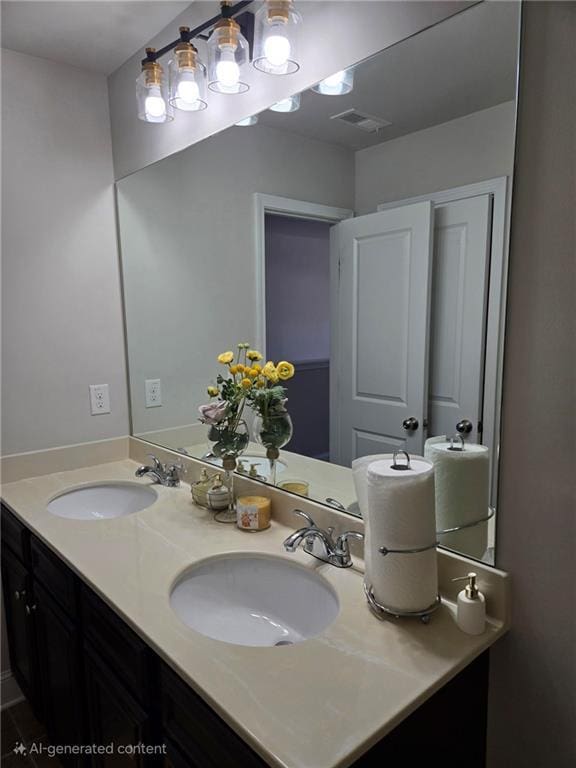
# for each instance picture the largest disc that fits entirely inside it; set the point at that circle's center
(284, 206)
(499, 189)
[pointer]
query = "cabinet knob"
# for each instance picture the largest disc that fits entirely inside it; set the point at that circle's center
(30, 608)
(19, 594)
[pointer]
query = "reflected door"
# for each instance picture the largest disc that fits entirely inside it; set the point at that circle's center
(458, 315)
(380, 288)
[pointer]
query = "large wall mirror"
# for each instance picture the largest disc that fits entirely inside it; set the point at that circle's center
(363, 238)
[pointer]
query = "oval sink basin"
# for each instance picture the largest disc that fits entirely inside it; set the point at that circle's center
(103, 501)
(254, 600)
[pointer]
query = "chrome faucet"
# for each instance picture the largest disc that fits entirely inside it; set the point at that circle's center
(164, 474)
(321, 544)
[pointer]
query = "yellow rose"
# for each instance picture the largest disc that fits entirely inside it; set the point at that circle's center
(246, 383)
(252, 372)
(233, 370)
(213, 391)
(253, 354)
(240, 368)
(257, 368)
(260, 383)
(270, 372)
(226, 357)
(285, 370)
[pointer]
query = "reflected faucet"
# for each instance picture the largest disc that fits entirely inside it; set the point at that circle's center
(321, 544)
(164, 474)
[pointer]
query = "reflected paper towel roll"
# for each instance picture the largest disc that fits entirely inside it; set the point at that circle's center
(462, 493)
(399, 514)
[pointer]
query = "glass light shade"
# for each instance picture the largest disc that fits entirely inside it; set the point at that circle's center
(252, 120)
(227, 57)
(276, 27)
(152, 95)
(336, 84)
(291, 104)
(187, 79)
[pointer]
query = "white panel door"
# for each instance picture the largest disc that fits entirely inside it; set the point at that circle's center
(381, 267)
(458, 314)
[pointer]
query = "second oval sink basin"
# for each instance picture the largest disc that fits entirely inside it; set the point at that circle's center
(102, 501)
(249, 599)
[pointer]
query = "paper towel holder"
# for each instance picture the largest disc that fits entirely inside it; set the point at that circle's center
(400, 467)
(382, 612)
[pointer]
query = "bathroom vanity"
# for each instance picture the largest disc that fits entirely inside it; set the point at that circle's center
(102, 657)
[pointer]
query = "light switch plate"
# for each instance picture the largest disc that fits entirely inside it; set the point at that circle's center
(99, 399)
(153, 393)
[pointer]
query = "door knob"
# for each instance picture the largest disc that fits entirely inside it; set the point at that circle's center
(464, 427)
(19, 594)
(30, 609)
(411, 424)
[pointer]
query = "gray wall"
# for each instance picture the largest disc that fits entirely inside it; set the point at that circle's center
(473, 148)
(188, 243)
(61, 313)
(368, 27)
(533, 671)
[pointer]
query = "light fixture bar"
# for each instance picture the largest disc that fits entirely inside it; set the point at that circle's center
(228, 12)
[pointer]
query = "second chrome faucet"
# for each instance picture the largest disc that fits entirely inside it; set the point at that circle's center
(321, 544)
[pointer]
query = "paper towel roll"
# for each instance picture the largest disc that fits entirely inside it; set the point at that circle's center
(359, 475)
(462, 493)
(399, 514)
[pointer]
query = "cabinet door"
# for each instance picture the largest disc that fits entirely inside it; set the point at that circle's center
(115, 719)
(60, 662)
(20, 620)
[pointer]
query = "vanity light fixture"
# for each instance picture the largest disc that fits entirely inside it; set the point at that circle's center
(187, 76)
(151, 91)
(291, 104)
(337, 84)
(252, 120)
(227, 54)
(276, 37)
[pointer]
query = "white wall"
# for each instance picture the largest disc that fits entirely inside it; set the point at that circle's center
(62, 323)
(473, 148)
(350, 30)
(188, 244)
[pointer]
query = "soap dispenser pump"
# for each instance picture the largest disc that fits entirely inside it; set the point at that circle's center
(471, 607)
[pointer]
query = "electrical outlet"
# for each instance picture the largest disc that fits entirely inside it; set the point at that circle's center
(99, 399)
(153, 393)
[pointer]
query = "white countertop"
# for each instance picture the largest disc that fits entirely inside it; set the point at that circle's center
(319, 703)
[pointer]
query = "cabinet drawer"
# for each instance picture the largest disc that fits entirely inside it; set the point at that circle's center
(54, 576)
(199, 734)
(15, 535)
(123, 651)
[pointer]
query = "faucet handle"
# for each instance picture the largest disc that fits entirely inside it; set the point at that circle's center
(343, 547)
(306, 516)
(156, 461)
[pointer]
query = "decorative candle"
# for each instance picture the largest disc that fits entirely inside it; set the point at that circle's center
(253, 513)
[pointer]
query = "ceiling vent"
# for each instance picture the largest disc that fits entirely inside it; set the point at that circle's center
(361, 120)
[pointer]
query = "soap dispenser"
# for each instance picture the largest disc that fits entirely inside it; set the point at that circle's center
(471, 607)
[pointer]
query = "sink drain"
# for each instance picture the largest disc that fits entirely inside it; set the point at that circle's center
(283, 642)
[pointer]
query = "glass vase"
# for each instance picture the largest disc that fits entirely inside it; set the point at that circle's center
(230, 441)
(273, 431)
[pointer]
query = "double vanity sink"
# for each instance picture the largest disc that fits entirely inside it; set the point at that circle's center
(242, 598)
(280, 646)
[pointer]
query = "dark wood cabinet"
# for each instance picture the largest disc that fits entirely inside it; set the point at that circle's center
(60, 660)
(115, 717)
(20, 605)
(94, 681)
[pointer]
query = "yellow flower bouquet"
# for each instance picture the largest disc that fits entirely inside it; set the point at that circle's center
(248, 382)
